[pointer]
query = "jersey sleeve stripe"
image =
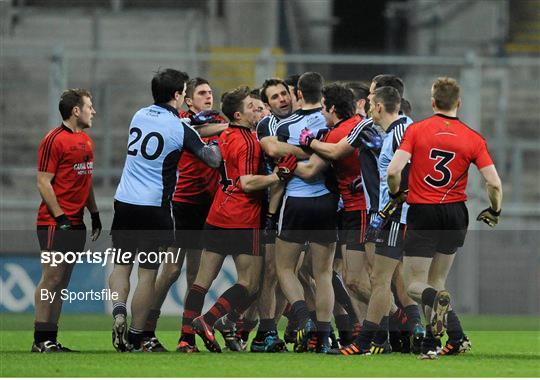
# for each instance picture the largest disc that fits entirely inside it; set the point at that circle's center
(44, 160)
(357, 129)
(249, 154)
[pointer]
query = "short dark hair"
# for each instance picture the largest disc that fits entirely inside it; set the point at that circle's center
(255, 93)
(406, 108)
(341, 98)
(269, 83)
(360, 90)
(233, 101)
(389, 97)
(192, 84)
(72, 98)
(445, 92)
(311, 84)
(292, 80)
(389, 80)
(166, 82)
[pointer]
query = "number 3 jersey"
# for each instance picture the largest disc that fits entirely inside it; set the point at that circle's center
(442, 150)
(156, 139)
(242, 155)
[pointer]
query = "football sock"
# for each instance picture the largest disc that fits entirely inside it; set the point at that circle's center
(366, 334)
(287, 313)
(323, 332)
(151, 323)
(413, 315)
(453, 327)
(344, 328)
(44, 331)
(300, 313)
(428, 296)
(342, 296)
(382, 334)
(119, 308)
(193, 307)
(135, 337)
(234, 297)
(313, 315)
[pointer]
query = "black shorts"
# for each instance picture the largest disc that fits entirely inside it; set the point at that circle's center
(189, 222)
(238, 241)
(141, 228)
(310, 219)
(390, 241)
(54, 240)
(352, 230)
(435, 228)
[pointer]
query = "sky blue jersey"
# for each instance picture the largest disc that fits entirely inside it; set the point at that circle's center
(288, 130)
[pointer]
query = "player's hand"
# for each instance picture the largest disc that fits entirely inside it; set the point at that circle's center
(96, 225)
(374, 229)
(400, 196)
(489, 216)
(205, 117)
(306, 137)
(270, 226)
(62, 222)
(286, 166)
(370, 138)
(355, 186)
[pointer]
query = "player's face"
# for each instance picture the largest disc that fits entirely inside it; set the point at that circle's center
(279, 100)
(294, 100)
(180, 98)
(371, 91)
(328, 114)
(375, 110)
(85, 113)
(203, 99)
(260, 110)
(251, 113)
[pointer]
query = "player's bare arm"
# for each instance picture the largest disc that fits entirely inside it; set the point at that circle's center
(91, 205)
(278, 149)
(308, 170)
(493, 186)
(285, 169)
(397, 164)
(44, 185)
(332, 151)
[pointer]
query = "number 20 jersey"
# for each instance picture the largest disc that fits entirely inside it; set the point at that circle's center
(156, 138)
(442, 150)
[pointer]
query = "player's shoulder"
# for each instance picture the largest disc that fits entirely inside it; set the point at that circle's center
(293, 118)
(54, 136)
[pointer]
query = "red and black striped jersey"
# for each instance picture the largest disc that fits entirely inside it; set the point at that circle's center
(70, 157)
(197, 182)
(442, 149)
(242, 155)
(347, 169)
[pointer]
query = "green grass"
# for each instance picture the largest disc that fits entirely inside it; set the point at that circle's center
(502, 346)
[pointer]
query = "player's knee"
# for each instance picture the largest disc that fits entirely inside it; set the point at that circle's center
(52, 281)
(380, 281)
(172, 273)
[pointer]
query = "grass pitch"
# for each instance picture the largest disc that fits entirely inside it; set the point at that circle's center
(502, 346)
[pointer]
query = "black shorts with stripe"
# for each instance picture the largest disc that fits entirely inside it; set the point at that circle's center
(189, 220)
(141, 228)
(54, 240)
(237, 241)
(309, 219)
(352, 229)
(390, 241)
(436, 228)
